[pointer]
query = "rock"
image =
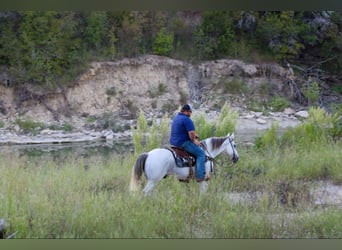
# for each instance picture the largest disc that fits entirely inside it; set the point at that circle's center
(261, 121)
(302, 114)
(108, 134)
(258, 114)
(249, 116)
(289, 111)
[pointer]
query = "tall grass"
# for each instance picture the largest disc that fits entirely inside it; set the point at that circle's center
(74, 201)
(89, 197)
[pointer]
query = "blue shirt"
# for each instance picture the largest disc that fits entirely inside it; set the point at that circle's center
(180, 127)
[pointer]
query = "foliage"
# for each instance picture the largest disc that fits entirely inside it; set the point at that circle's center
(204, 127)
(227, 121)
(285, 33)
(269, 138)
(225, 124)
(29, 126)
(45, 47)
(95, 30)
(138, 133)
(146, 138)
(50, 48)
(111, 91)
(214, 35)
(163, 43)
(311, 91)
(278, 104)
(319, 127)
(265, 196)
(235, 86)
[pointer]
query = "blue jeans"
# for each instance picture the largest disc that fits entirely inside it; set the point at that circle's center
(192, 148)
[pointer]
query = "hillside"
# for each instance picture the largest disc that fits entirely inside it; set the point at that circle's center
(110, 95)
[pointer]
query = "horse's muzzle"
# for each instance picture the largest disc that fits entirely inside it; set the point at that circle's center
(235, 159)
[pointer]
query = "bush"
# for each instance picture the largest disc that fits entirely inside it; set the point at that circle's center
(163, 44)
(319, 127)
(311, 91)
(268, 139)
(204, 128)
(29, 126)
(278, 104)
(227, 121)
(145, 138)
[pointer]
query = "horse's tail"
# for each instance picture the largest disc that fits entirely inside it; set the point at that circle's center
(137, 171)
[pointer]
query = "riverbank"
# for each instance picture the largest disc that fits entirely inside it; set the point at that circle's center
(249, 124)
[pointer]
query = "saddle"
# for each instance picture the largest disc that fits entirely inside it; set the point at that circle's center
(183, 158)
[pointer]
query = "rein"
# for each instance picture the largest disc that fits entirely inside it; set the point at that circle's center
(208, 157)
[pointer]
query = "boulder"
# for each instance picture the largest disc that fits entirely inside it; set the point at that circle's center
(302, 114)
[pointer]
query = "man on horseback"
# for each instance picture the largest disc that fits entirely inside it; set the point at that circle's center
(183, 135)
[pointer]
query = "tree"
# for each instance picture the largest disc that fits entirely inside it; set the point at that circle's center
(44, 48)
(163, 44)
(214, 35)
(284, 33)
(129, 36)
(95, 31)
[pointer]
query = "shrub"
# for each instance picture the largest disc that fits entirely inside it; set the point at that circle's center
(204, 128)
(267, 139)
(67, 127)
(145, 139)
(163, 43)
(317, 128)
(279, 104)
(139, 132)
(227, 121)
(111, 91)
(311, 91)
(29, 126)
(235, 86)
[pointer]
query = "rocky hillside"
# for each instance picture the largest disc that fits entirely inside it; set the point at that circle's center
(156, 85)
(150, 83)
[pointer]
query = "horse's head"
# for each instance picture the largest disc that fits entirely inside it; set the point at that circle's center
(230, 148)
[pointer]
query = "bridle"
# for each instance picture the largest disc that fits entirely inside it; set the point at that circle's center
(208, 156)
(235, 157)
(212, 160)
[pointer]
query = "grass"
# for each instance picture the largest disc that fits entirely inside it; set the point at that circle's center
(88, 198)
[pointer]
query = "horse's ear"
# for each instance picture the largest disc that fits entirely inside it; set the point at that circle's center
(232, 136)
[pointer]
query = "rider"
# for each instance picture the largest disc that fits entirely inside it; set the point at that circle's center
(183, 135)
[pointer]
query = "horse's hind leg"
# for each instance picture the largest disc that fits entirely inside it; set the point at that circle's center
(149, 186)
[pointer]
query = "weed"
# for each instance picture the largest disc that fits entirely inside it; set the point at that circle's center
(111, 91)
(29, 126)
(278, 104)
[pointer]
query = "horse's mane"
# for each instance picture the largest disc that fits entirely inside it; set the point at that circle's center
(216, 142)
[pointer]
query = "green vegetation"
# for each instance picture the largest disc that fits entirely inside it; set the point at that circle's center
(50, 48)
(311, 92)
(163, 43)
(278, 104)
(29, 126)
(89, 198)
